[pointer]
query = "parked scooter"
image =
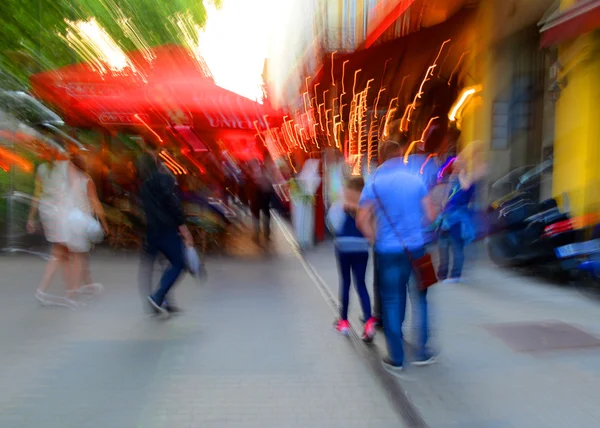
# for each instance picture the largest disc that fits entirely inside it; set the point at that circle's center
(525, 232)
(584, 260)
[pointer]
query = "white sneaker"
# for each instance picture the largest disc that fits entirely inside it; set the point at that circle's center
(41, 297)
(94, 288)
(52, 300)
(452, 281)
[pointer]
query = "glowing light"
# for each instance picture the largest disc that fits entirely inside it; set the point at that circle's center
(137, 116)
(321, 117)
(95, 46)
(431, 156)
(377, 100)
(461, 101)
(332, 77)
(456, 67)
(445, 167)
(390, 112)
(354, 85)
(412, 107)
(343, 73)
(259, 133)
(172, 164)
(422, 140)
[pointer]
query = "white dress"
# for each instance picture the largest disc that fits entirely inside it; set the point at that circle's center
(54, 182)
(77, 201)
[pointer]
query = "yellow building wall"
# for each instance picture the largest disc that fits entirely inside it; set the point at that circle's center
(577, 127)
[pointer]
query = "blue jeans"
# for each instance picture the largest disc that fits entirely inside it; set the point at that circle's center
(353, 263)
(170, 245)
(394, 272)
(448, 240)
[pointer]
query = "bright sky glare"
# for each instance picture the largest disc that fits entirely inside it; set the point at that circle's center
(237, 39)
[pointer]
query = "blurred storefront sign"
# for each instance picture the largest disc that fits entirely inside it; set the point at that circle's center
(112, 118)
(79, 90)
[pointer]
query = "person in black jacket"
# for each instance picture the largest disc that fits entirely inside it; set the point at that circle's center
(165, 228)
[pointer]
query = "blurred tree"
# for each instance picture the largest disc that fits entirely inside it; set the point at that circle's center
(29, 29)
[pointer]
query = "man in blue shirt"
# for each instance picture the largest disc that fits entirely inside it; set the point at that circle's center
(398, 200)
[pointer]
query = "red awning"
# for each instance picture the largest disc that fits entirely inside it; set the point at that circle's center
(579, 19)
(187, 135)
(171, 84)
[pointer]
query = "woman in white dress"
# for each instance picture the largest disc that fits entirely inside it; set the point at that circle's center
(82, 195)
(50, 190)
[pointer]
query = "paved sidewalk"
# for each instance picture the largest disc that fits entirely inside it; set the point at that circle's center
(485, 381)
(255, 348)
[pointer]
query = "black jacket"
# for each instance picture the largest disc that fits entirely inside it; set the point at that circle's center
(161, 205)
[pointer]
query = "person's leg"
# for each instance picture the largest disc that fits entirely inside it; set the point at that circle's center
(57, 260)
(376, 294)
(255, 211)
(394, 273)
(344, 266)
(77, 273)
(424, 353)
(458, 252)
(421, 312)
(171, 246)
(359, 263)
(147, 259)
(266, 213)
(444, 255)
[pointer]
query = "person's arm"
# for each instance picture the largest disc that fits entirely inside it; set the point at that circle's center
(365, 222)
(34, 205)
(96, 205)
(365, 217)
(173, 205)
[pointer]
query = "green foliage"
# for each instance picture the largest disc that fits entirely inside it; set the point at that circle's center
(29, 29)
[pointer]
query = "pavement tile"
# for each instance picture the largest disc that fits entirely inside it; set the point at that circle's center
(480, 381)
(254, 347)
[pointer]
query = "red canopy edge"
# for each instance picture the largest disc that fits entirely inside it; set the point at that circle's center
(579, 19)
(187, 134)
(170, 83)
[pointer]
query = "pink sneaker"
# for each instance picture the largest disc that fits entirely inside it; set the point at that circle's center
(343, 326)
(369, 330)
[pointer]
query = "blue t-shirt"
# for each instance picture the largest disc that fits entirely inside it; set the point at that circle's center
(424, 166)
(401, 192)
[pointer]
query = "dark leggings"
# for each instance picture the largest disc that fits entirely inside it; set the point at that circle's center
(356, 264)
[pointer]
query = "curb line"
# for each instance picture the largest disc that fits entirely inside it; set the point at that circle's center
(400, 402)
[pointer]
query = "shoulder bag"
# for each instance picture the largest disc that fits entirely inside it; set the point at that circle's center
(423, 266)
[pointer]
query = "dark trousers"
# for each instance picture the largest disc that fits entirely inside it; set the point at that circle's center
(170, 245)
(353, 264)
(261, 204)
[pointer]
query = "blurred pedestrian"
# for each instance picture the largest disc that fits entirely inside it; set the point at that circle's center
(49, 193)
(82, 196)
(455, 224)
(166, 232)
(352, 253)
(260, 203)
(391, 211)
